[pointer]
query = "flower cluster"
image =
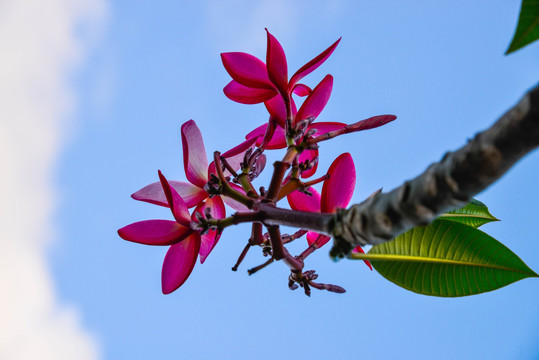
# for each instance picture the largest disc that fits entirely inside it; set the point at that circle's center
(229, 177)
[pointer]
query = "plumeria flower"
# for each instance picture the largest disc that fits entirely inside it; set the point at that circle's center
(337, 192)
(255, 82)
(184, 242)
(313, 105)
(197, 172)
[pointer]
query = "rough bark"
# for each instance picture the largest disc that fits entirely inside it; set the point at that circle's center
(445, 185)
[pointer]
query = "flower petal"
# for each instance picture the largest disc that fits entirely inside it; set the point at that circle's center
(312, 156)
(322, 240)
(302, 90)
(195, 161)
(179, 263)
(278, 141)
(276, 64)
(337, 191)
(317, 239)
(175, 201)
(154, 232)
(359, 249)
(303, 202)
(315, 103)
(210, 239)
(247, 70)
(313, 64)
(311, 237)
(277, 109)
(154, 193)
(247, 95)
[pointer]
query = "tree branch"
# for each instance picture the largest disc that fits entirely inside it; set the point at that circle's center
(445, 185)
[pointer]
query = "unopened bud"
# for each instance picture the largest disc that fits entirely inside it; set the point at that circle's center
(310, 133)
(335, 289)
(258, 167)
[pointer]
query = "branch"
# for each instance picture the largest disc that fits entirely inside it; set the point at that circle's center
(445, 185)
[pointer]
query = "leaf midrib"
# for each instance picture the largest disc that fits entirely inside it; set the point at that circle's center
(468, 215)
(410, 258)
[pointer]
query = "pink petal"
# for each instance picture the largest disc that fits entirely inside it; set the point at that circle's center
(154, 193)
(337, 191)
(179, 262)
(195, 161)
(311, 237)
(154, 232)
(303, 202)
(276, 64)
(322, 240)
(278, 141)
(257, 133)
(247, 95)
(210, 239)
(309, 155)
(247, 70)
(277, 109)
(315, 103)
(359, 249)
(325, 127)
(233, 203)
(318, 240)
(176, 203)
(302, 90)
(313, 64)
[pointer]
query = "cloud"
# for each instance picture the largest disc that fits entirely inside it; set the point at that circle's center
(41, 44)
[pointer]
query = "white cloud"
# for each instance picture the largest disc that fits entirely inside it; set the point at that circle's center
(41, 43)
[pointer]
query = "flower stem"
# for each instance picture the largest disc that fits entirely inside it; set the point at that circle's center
(260, 267)
(242, 256)
(228, 190)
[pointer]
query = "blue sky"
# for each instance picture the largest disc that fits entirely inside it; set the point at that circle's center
(93, 97)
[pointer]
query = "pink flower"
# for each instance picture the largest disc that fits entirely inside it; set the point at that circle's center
(185, 243)
(255, 82)
(337, 192)
(197, 172)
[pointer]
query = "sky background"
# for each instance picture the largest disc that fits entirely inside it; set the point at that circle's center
(92, 97)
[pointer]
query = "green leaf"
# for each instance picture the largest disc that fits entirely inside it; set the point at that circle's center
(474, 214)
(528, 26)
(447, 258)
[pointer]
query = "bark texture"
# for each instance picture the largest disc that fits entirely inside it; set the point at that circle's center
(445, 185)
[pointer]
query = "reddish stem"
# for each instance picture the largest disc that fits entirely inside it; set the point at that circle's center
(257, 237)
(242, 256)
(277, 247)
(277, 179)
(228, 167)
(259, 267)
